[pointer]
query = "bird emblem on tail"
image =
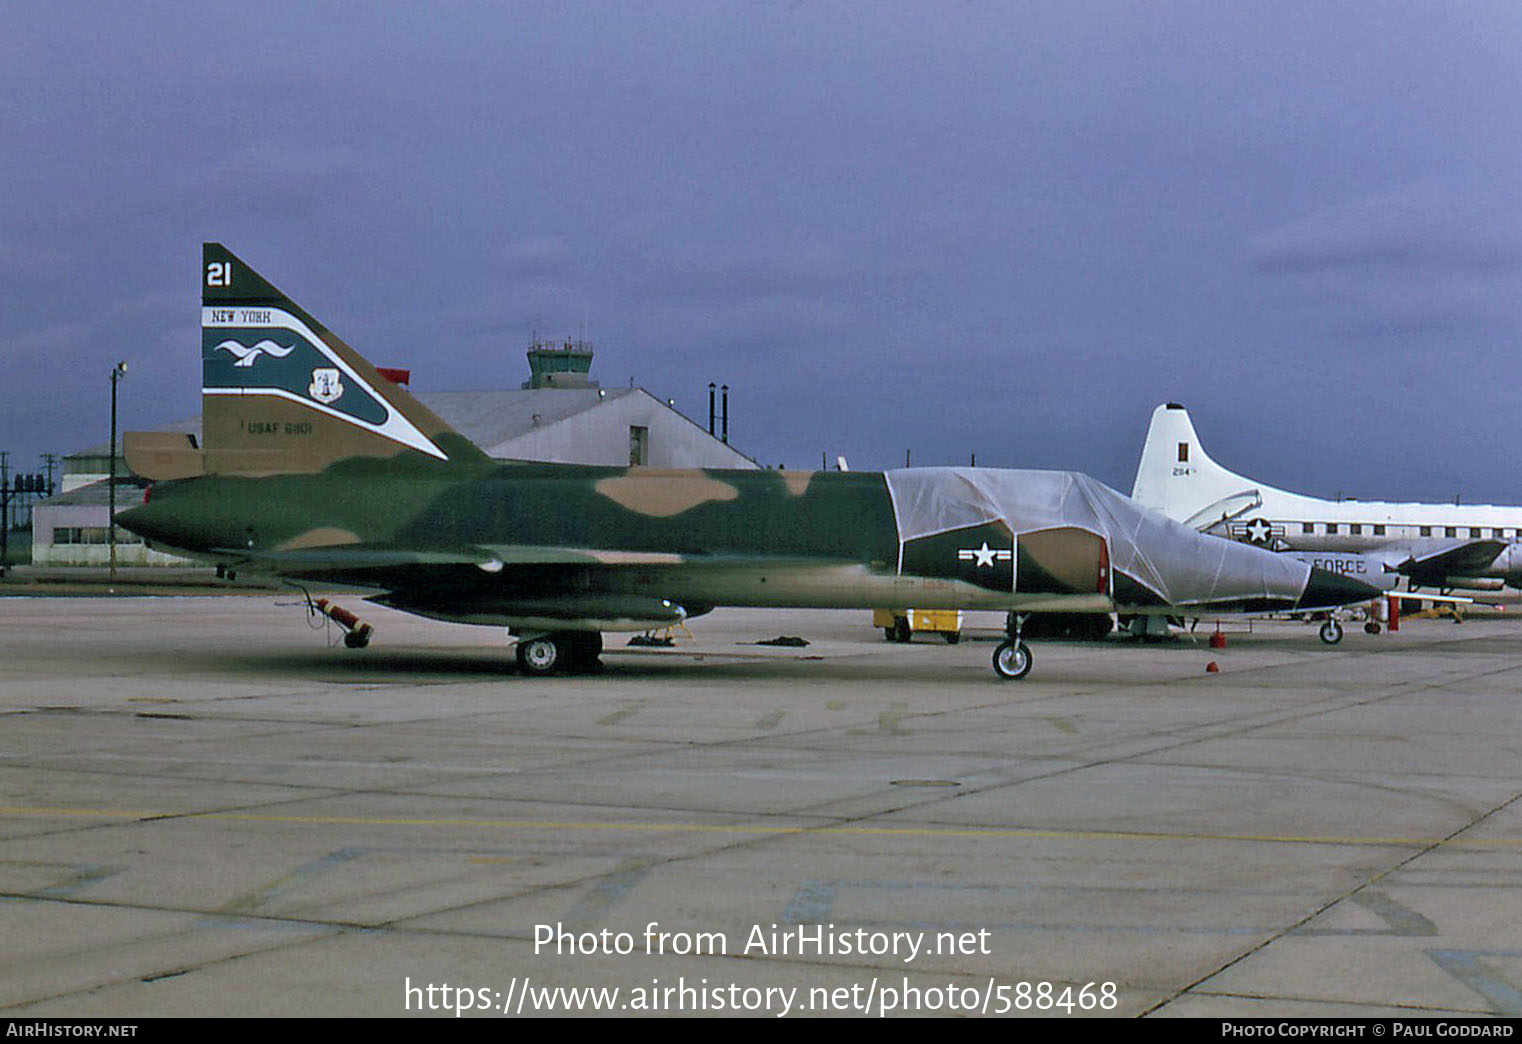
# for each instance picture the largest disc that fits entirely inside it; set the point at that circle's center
(248, 356)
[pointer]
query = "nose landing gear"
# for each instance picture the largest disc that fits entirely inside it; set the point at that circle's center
(1012, 659)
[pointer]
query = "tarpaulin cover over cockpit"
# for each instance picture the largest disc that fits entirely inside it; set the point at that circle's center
(1176, 565)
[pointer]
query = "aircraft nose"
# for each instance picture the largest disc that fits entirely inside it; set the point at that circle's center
(139, 520)
(1326, 589)
(152, 522)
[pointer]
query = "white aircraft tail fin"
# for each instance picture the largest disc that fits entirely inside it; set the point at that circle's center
(1177, 477)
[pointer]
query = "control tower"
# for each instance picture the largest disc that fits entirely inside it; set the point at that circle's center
(554, 364)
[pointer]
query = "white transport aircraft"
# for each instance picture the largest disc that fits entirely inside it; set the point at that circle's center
(1469, 547)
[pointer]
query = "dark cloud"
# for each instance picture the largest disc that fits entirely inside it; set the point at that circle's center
(1009, 228)
(280, 180)
(1427, 229)
(539, 257)
(1424, 260)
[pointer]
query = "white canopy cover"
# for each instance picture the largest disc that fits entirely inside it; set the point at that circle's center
(1178, 565)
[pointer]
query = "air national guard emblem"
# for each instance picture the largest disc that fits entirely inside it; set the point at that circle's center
(326, 388)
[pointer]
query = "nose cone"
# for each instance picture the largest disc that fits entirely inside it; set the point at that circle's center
(158, 523)
(141, 520)
(1326, 589)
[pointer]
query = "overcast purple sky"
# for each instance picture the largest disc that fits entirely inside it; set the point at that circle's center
(1002, 228)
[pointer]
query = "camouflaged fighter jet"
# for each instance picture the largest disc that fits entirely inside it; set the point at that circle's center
(315, 467)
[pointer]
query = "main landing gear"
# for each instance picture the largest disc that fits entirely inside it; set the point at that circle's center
(1331, 631)
(1012, 659)
(560, 652)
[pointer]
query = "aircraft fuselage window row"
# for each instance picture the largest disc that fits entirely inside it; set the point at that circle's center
(1357, 528)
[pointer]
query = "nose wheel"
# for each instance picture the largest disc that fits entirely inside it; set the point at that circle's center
(1331, 632)
(1012, 659)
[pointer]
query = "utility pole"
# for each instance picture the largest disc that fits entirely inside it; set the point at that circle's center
(116, 376)
(5, 509)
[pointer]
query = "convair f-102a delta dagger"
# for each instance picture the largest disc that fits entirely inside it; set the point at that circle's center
(315, 467)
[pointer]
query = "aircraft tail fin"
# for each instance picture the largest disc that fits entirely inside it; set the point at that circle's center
(1177, 477)
(282, 393)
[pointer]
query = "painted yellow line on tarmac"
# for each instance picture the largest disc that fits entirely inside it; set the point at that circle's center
(1012, 833)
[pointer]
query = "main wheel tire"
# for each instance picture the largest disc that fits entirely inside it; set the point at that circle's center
(583, 650)
(540, 656)
(1012, 660)
(1331, 632)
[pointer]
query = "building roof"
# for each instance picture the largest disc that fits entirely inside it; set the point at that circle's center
(489, 418)
(129, 489)
(190, 426)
